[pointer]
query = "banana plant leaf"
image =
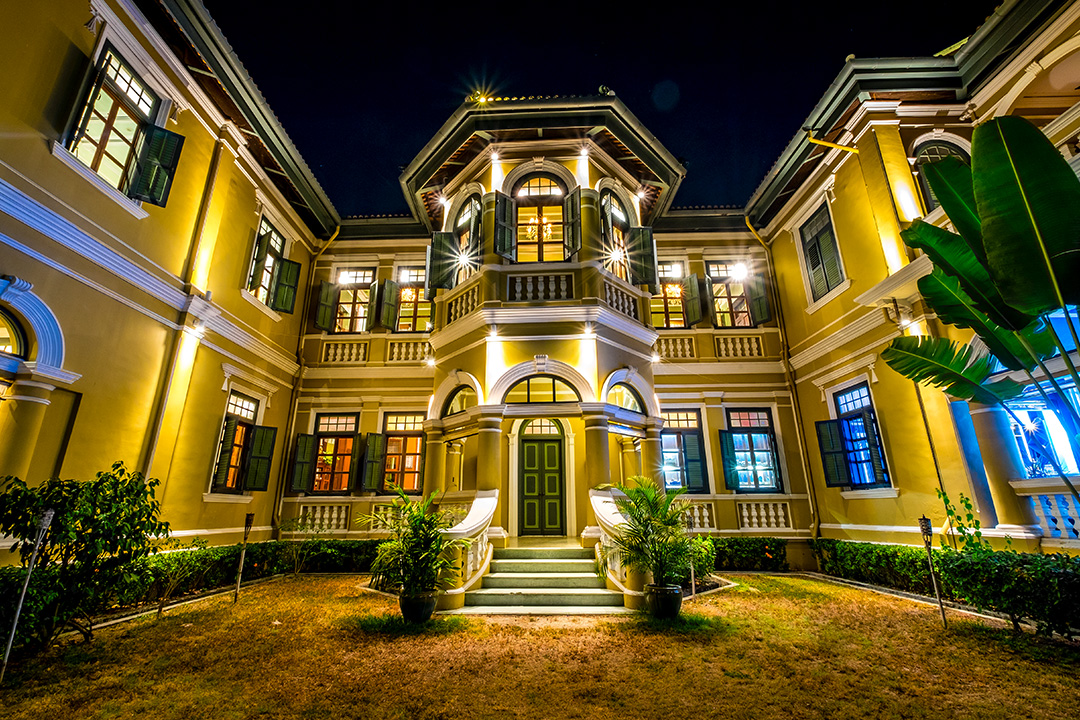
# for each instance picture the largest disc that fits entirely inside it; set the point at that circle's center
(947, 298)
(1029, 201)
(952, 254)
(950, 179)
(953, 368)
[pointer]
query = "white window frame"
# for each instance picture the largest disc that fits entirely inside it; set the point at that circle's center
(781, 462)
(830, 394)
(812, 205)
(263, 399)
(275, 222)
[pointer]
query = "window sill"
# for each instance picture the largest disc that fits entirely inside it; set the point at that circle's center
(64, 155)
(259, 304)
(870, 493)
(227, 498)
(828, 297)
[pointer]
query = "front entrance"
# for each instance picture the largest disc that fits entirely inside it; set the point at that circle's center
(541, 508)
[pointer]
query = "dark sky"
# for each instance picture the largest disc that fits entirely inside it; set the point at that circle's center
(361, 91)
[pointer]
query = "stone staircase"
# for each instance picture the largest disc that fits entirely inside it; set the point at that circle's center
(542, 581)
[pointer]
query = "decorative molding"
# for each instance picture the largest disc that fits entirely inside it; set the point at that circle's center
(133, 207)
(901, 286)
(631, 377)
(219, 531)
(527, 369)
(841, 337)
(48, 337)
(870, 493)
(231, 371)
(263, 308)
(540, 164)
(829, 296)
(867, 361)
(725, 368)
(453, 381)
(226, 499)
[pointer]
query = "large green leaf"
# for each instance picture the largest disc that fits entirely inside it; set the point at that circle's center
(950, 179)
(953, 306)
(1029, 201)
(952, 254)
(945, 364)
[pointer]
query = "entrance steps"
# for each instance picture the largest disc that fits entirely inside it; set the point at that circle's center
(542, 581)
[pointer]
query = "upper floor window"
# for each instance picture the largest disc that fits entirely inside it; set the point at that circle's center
(730, 304)
(541, 389)
(624, 396)
(749, 451)
(681, 442)
(820, 253)
(930, 152)
(353, 296)
(273, 279)
(614, 230)
(414, 312)
(851, 450)
(116, 136)
(245, 450)
(539, 203)
(12, 341)
(461, 400)
(667, 306)
(467, 234)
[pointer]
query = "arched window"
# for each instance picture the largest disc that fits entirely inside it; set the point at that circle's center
(460, 400)
(541, 426)
(12, 339)
(467, 233)
(624, 396)
(541, 389)
(614, 227)
(930, 152)
(539, 201)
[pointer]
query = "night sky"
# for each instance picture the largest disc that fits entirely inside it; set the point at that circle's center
(360, 92)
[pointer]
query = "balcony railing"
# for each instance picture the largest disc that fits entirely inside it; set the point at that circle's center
(348, 351)
(540, 287)
(739, 346)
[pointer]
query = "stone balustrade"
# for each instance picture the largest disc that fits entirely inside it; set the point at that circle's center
(537, 287)
(408, 351)
(346, 351)
(621, 301)
(770, 515)
(739, 346)
(676, 348)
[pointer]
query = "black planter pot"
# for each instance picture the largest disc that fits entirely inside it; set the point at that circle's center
(418, 608)
(663, 601)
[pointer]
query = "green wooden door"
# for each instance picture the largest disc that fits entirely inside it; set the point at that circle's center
(541, 505)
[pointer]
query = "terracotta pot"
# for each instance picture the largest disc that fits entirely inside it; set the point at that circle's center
(663, 601)
(418, 608)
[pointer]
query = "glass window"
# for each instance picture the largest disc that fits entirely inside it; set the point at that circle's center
(681, 443)
(266, 261)
(667, 306)
(853, 407)
(354, 286)
(754, 443)
(730, 304)
(11, 337)
(414, 313)
(539, 205)
(404, 452)
(820, 253)
(467, 232)
(541, 426)
(1041, 437)
(462, 399)
(615, 227)
(240, 414)
(930, 152)
(335, 436)
(541, 389)
(624, 396)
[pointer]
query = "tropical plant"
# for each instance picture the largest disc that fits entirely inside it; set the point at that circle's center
(101, 527)
(653, 538)
(297, 551)
(418, 557)
(177, 563)
(1012, 265)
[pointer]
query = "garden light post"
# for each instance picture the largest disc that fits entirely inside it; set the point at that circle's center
(43, 527)
(928, 535)
(693, 582)
(249, 520)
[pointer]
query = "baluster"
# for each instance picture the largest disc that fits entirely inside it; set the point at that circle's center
(771, 518)
(562, 287)
(529, 288)
(781, 515)
(755, 513)
(744, 519)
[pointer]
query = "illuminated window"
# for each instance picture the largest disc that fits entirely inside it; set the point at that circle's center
(12, 341)
(540, 220)
(931, 152)
(615, 224)
(404, 453)
(335, 436)
(749, 451)
(541, 389)
(414, 313)
(624, 396)
(851, 451)
(354, 287)
(729, 295)
(820, 253)
(667, 306)
(541, 426)
(467, 232)
(245, 450)
(681, 443)
(266, 263)
(462, 399)
(1041, 436)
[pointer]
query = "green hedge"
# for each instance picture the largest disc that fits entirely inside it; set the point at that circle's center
(751, 553)
(895, 566)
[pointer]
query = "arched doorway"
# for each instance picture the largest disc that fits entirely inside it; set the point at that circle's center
(542, 479)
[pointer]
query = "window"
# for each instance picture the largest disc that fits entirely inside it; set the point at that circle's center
(541, 426)
(541, 389)
(245, 450)
(273, 279)
(681, 443)
(414, 312)
(667, 307)
(403, 466)
(116, 138)
(930, 152)
(12, 341)
(540, 220)
(730, 305)
(749, 451)
(353, 294)
(461, 400)
(335, 454)
(851, 451)
(1043, 434)
(624, 396)
(820, 254)
(467, 234)
(615, 226)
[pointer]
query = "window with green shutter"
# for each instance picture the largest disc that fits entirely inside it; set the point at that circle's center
(337, 450)
(245, 450)
(572, 224)
(284, 294)
(273, 279)
(749, 451)
(682, 446)
(505, 237)
(442, 263)
(820, 253)
(303, 464)
(641, 253)
(614, 229)
(260, 458)
(851, 450)
(345, 307)
(151, 174)
(729, 290)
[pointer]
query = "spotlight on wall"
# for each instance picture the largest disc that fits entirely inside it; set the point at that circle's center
(739, 271)
(656, 357)
(430, 362)
(641, 194)
(495, 155)
(584, 152)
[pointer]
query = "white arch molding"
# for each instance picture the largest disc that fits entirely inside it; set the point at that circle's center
(569, 475)
(630, 376)
(624, 195)
(539, 165)
(1033, 71)
(942, 136)
(542, 365)
(466, 192)
(48, 338)
(451, 383)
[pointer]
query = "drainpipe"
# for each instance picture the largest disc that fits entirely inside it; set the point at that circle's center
(810, 137)
(294, 396)
(789, 375)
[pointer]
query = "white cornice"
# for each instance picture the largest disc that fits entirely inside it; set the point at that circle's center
(901, 286)
(838, 339)
(763, 367)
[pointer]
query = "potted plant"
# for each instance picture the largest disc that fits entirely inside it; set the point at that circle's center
(414, 560)
(653, 539)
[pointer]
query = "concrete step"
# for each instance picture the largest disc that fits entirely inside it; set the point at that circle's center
(528, 565)
(540, 553)
(539, 610)
(544, 596)
(543, 580)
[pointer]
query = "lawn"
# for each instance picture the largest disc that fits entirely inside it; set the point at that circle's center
(775, 647)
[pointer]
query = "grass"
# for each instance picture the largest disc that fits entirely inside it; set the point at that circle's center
(775, 647)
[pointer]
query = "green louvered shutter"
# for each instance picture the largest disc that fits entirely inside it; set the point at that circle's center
(373, 305)
(324, 310)
(776, 462)
(389, 305)
(830, 260)
(476, 227)
(572, 224)
(283, 294)
(374, 458)
(505, 233)
(356, 468)
(641, 252)
(833, 453)
(758, 296)
(691, 297)
(728, 460)
(694, 464)
(303, 464)
(260, 457)
(873, 442)
(441, 262)
(262, 247)
(816, 270)
(228, 436)
(152, 174)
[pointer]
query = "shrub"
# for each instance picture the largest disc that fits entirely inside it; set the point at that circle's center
(895, 566)
(751, 553)
(703, 557)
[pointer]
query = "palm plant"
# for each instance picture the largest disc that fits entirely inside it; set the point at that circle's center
(1012, 265)
(653, 538)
